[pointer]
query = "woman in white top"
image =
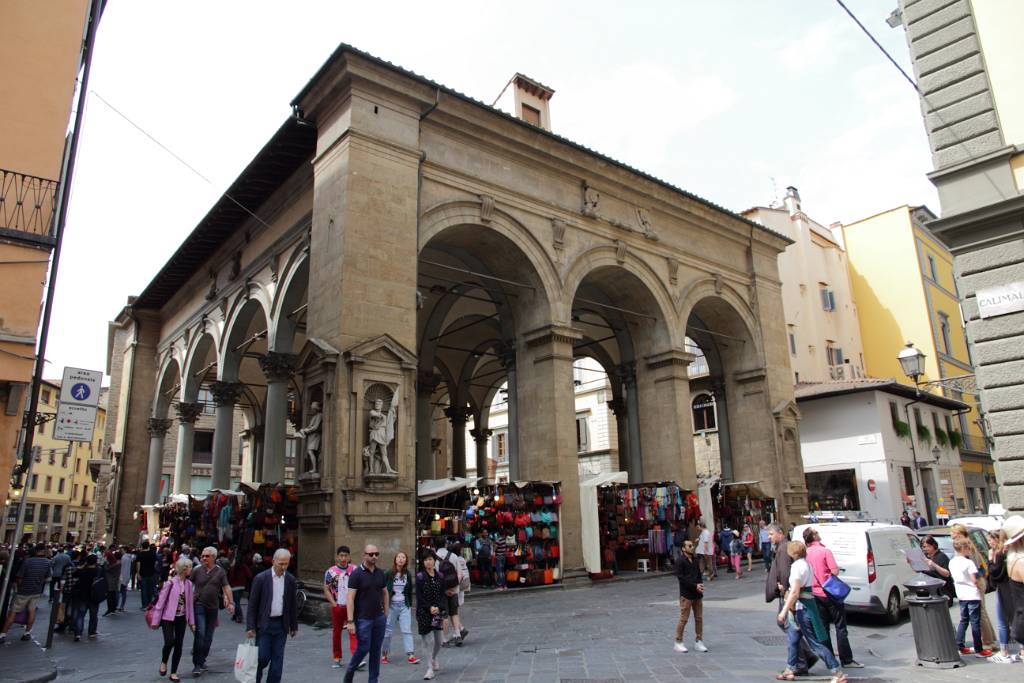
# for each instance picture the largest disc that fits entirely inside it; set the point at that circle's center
(800, 619)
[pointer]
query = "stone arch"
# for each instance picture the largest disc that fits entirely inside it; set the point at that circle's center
(239, 319)
(196, 366)
(168, 380)
(290, 295)
(699, 292)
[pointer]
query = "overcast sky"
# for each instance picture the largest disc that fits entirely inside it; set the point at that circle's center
(730, 99)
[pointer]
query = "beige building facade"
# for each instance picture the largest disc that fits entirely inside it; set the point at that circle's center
(413, 249)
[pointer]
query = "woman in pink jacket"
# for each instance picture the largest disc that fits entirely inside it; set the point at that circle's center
(174, 608)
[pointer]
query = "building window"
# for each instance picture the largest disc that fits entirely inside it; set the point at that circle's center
(500, 448)
(792, 344)
(30, 513)
(835, 354)
(202, 449)
(49, 485)
(582, 433)
(947, 345)
(45, 396)
(58, 512)
(74, 492)
(949, 424)
(52, 455)
(933, 272)
(894, 414)
(44, 513)
(828, 298)
(577, 372)
(78, 466)
(72, 517)
(531, 115)
(40, 428)
(917, 420)
(60, 485)
(908, 481)
(833, 490)
(205, 398)
(64, 460)
(35, 481)
(704, 418)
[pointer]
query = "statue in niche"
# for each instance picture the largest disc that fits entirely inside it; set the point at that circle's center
(382, 433)
(311, 433)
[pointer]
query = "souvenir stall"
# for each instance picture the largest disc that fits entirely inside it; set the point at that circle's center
(738, 503)
(640, 524)
(524, 514)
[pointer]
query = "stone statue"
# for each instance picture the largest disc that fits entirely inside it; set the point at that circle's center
(382, 433)
(311, 433)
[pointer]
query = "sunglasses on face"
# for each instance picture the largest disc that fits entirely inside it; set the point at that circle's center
(372, 554)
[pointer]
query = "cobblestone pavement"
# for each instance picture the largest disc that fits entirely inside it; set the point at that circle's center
(620, 631)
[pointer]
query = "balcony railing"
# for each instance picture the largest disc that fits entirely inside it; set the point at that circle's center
(27, 204)
(974, 444)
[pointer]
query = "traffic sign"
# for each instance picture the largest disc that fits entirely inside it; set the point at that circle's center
(81, 387)
(74, 423)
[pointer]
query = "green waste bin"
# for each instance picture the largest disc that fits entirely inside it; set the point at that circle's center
(933, 629)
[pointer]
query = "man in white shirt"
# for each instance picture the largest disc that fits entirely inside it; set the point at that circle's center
(964, 573)
(706, 552)
(272, 615)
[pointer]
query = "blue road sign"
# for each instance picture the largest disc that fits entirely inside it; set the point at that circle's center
(80, 391)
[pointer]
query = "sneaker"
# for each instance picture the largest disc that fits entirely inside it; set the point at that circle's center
(197, 672)
(337, 664)
(457, 640)
(435, 665)
(984, 652)
(413, 659)
(1000, 658)
(853, 664)
(967, 650)
(26, 636)
(429, 675)
(362, 664)
(699, 646)
(384, 659)
(78, 639)
(463, 633)
(93, 636)
(679, 647)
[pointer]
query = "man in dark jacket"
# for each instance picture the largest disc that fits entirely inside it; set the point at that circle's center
(775, 588)
(272, 616)
(691, 598)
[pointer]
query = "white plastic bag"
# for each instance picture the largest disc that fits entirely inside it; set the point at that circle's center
(246, 662)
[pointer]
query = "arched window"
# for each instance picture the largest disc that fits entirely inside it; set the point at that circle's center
(704, 418)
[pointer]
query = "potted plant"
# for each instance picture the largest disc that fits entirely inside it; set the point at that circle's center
(924, 434)
(956, 439)
(902, 429)
(941, 437)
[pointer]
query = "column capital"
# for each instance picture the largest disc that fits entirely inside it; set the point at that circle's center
(626, 372)
(188, 413)
(158, 426)
(480, 435)
(427, 382)
(507, 354)
(670, 358)
(278, 367)
(226, 393)
(618, 406)
(257, 432)
(458, 414)
(552, 334)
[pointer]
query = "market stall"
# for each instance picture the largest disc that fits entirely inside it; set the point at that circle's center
(640, 523)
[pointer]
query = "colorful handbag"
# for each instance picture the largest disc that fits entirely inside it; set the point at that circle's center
(512, 576)
(556, 574)
(549, 577)
(553, 551)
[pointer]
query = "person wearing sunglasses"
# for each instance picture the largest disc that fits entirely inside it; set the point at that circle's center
(368, 613)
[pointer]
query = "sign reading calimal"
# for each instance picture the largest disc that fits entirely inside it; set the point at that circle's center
(1001, 300)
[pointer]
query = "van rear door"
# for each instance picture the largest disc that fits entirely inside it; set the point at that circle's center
(850, 547)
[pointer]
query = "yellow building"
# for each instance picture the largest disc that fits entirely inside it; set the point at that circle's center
(40, 54)
(903, 283)
(60, 488)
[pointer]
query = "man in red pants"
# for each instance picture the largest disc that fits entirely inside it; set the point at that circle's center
(335, 584)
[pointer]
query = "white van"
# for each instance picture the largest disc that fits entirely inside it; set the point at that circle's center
(870, 562)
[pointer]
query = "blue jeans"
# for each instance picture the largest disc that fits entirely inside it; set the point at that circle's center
(370, 633)
(970, 611)
(402, 615)
(1002, 629)
(124, 596)
(766, 554)
(271, 642)
(147, 586)
(804, 628)
(206, 622)
(499, 569)
(80, 607)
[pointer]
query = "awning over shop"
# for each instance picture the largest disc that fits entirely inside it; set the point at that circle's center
(744, 488)
(591, 535)
(431, 489)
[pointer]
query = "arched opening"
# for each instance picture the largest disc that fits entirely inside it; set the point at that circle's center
(477, 291)
(158, 483)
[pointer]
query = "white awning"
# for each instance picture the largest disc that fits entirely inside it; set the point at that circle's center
(591, 531)
(430, 489)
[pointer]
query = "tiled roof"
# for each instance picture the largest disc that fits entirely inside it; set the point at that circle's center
(806, 391)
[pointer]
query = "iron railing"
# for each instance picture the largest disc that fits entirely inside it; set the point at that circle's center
(27, 203)
(973, 443)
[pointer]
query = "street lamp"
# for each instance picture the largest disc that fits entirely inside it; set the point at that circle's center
(936, 453)
(912, 361)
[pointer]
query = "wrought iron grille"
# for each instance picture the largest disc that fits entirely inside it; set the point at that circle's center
(27, 203)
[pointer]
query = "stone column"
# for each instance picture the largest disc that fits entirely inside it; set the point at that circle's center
(426, 384)
(458, 415)
(256, 433)
(668, 425)
(480, 436)
(225, 395)
(278, 369)
(508, 361)
(634, 462)
(549, 445)
(157, 431)
(724, 436)
(618, 407)
(188, 413)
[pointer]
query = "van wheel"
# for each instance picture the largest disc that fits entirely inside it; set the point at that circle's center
(892, 608)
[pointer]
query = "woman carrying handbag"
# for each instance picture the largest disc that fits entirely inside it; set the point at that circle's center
(430, 606)
(172, 612)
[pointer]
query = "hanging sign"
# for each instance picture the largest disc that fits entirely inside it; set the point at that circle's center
(76, 411)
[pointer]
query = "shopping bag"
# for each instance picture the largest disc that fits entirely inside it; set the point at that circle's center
(246, 662)
(153, 617)
(836, 588)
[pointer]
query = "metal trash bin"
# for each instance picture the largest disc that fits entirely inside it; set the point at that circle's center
(933, 629)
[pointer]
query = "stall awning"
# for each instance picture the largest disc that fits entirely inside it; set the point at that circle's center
(745, 488)
(430, 489)
(591, 533)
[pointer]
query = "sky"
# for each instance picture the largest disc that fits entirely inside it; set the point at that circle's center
(732, 100)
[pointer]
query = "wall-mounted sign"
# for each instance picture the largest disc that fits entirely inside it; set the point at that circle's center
(1001, 300)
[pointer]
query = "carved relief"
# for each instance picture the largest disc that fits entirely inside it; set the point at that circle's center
(591, 197)
(558, 233)
(157, 426)
(277, 366)
(188, 412)
(718, 283)
(486, 208)
(211, 294)
(620, 251)
(236, 266)
(673, 270)
(275, 264)
(644, 220)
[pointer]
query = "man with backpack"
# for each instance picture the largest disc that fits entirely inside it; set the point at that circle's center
(452, 580)
(90, 589)
(31, 577)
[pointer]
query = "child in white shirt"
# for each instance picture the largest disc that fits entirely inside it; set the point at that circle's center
(965, 580)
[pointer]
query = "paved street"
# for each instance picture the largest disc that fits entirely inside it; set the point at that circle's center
(610, 632)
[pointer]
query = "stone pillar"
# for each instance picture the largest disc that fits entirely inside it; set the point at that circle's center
(618, 407)
(549, 445)
(426, 384)
(724, 437)
(667, 419)
(278, 369)
(634, 461)
(480, 436)
(157, 431)
(225, 395)
(508, 361)
(256, 440)
(188, 413)
(458, 415)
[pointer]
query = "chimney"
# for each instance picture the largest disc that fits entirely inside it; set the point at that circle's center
(528, 100)
(792, 201)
